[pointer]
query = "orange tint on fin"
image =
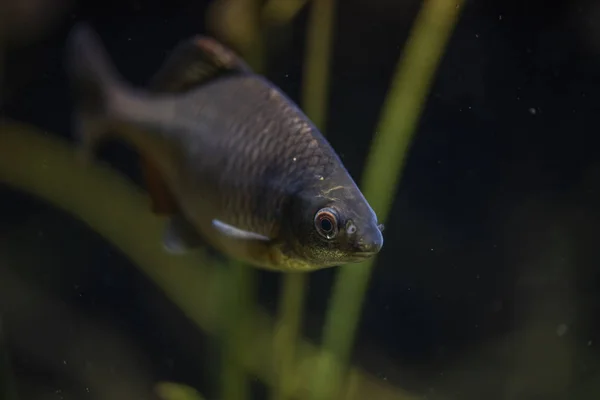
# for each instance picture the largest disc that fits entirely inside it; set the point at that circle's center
(221, 56)
(163, 202)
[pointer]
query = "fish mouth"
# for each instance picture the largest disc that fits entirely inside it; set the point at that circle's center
(363, 255)
(367, 254)
(369, 248)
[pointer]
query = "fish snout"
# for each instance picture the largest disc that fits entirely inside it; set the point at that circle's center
(371, 243)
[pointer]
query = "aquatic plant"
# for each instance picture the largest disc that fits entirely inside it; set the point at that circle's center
(401, 111)
(307, 372)
(176, 391)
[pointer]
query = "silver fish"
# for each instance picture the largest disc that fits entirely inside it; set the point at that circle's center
(248, 171)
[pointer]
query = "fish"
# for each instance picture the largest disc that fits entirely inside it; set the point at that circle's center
(245, 170)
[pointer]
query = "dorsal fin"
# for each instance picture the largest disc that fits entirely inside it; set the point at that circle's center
(192, 63)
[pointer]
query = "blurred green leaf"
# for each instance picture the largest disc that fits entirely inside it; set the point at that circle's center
(176, 391)
(278, 12)
(319, 42)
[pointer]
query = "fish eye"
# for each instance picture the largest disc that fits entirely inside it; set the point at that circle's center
(326, 223)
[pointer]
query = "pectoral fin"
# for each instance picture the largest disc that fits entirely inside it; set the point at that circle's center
(237, 233)
(180, 236)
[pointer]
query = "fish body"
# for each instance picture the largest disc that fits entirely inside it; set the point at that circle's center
(245, 169)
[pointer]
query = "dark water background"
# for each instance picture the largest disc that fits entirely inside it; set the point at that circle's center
(503, 176)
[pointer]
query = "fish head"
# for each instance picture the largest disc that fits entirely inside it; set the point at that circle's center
(334, 225)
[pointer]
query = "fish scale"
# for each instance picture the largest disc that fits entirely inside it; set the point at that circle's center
(277, 149)
(278, 146)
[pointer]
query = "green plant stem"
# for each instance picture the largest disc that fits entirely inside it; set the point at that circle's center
(238, 23)
(399, 118)
(314, 99)
(176, 391)
(277, 12)
(238, 300)
(288, 333)
(319, 43)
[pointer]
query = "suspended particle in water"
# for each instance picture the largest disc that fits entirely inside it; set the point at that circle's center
(562, 329)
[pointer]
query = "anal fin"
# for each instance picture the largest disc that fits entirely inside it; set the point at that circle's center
(163, 201)
(180, 236)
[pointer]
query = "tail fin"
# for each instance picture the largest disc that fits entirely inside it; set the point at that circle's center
(94, 81)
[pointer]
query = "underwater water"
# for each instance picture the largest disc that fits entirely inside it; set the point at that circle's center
(487, 283)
